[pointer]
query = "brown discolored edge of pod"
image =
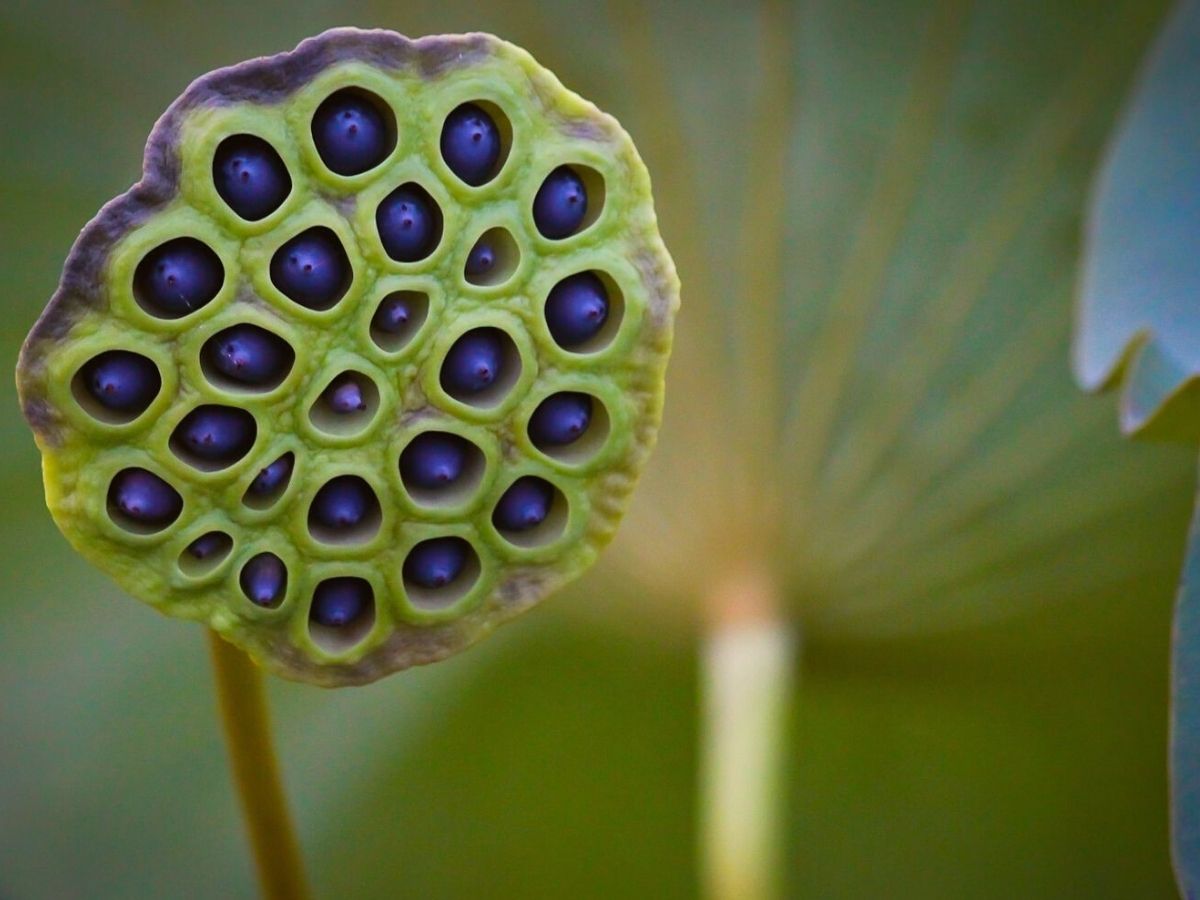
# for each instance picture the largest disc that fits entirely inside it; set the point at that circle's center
(265, 80)
(410, 646)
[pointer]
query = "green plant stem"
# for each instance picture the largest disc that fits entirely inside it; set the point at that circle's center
(747, 672)
(242, 699)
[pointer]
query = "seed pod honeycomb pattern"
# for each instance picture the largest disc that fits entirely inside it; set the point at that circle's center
(299, 382)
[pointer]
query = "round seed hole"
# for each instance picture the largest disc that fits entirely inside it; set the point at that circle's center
(354, 131)
(141, 502)
(441, 469)
(347, 405)
(212, 437)
(205, 553)
(116, 386)
(177, 278)
(440, 571)
(481, 367)
(342, 613)
(398, 318)
(409, 223)
(344, 511)
(532, 512)
(245, 357)
(584, 312)
(270, 483)
(568, 201)
(312, 269)
(263, 580)
(476, 138)
(250, 176)
(492, 259)
(569, 426)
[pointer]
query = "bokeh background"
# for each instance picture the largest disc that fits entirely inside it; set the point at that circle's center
(876, 211)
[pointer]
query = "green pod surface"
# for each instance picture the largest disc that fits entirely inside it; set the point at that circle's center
(96, 309)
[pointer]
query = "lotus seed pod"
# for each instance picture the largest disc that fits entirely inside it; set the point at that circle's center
(290, 382)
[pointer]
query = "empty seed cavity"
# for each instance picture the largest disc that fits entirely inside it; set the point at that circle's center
(141, 502)
(347, 405)
(250, 176)
(441, 469)
(354, 131)
(569, 426)
(245, 357)
(263, 580)
(475, 141)
(493, 258)
(205, 554)
(344, 511)
(270, 483)
(481, 367)
(312, 269)
(342, 613)
(568, 201)
(116, 386)
(409, 223)
(398, 318)
(213, 437)
(439, 572)
(177, 278)
(584, 312)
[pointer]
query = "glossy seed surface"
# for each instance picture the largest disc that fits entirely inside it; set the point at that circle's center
(560, 419)
(338, 602)
(525, 504)
(436, 562)
(470, 144)
(350, 133)
(178, 278)
(250, 176)
(560, 204)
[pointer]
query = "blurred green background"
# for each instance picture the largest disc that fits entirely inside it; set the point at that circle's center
(875, 209)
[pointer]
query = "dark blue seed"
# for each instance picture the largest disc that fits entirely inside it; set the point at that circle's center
(481, 260)
(214, 543)
(560, 419)
(250, 176)
(178, 278)
(434, 459)
(122, 381)
(273, 477)
(576, 309)
(474, 362)
(351, 133)
(312, 269)
(341, 601)
(524, 505)
(409, 223)
(220, 434)
(436, 562)
(471, 144)
(264, 579)
(343, 503)
(249, 355)
(395, 312)
(144, 498)
(560, 203)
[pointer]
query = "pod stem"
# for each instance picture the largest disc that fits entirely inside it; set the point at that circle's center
(242, 698)
(746, 670)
